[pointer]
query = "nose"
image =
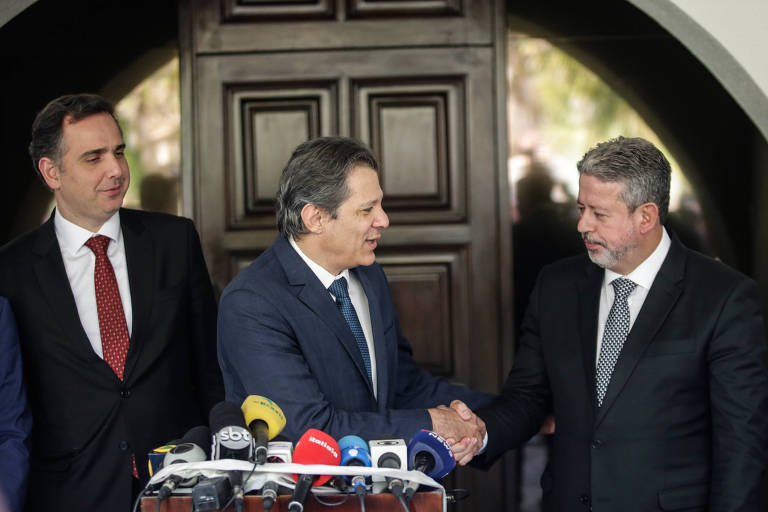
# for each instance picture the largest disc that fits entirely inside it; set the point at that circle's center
(584, 225)
(115, 169)
(382, 219)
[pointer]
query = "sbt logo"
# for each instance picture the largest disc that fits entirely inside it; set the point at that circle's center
(236, 435)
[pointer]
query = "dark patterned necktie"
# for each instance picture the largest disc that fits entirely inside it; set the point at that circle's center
(339, 289)
(616, 330)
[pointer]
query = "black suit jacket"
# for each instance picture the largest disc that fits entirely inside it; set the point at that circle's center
(684, 422)
(87, 423)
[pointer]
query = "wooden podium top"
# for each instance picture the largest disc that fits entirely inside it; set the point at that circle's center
(421, 502)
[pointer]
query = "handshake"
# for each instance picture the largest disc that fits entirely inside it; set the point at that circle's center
(461, 428)
(464, 431)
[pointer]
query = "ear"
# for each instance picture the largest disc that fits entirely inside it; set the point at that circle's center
(313, 218)
(50, 172)
(648, 217)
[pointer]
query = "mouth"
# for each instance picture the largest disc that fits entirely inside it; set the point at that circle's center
(116, 189)
(373, 242)
(592, 245)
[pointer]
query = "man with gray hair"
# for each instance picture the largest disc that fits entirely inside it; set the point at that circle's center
(651, 357)
(310, 324)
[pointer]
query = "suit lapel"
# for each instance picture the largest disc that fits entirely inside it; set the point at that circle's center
(139, 257)
(57, 292)
(379, 343)
(664, 292)
(589, 303)
(310, 291)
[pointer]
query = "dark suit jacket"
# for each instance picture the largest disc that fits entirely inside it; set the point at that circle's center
(684, 422)
(15, 419)
(86, 421)
(282, 336)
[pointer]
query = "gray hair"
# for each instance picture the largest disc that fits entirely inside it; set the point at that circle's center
(638, 165)
(317, 174)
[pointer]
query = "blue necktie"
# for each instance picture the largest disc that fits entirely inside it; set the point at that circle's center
(616, 330)
(339, 289)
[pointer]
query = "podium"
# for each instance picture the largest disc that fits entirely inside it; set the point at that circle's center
(431, 499)
(421, 502)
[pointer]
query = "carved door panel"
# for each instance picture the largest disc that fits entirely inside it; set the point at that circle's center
(415, 80)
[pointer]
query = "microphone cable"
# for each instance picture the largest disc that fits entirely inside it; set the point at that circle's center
(328, 503)
(242, 486)
(403, 503)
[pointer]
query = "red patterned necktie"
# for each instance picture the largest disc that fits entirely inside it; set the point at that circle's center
(112, 326)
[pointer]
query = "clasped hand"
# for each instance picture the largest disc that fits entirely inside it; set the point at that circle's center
(461, 428)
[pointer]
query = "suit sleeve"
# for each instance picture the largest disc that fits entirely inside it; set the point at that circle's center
(738, 388)
(15, 418)
(525, 398)
(259, 354)
(202, 317)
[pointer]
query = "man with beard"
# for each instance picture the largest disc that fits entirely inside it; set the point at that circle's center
(651, 358)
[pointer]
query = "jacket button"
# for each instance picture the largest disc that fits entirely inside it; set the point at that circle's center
(124, 445)
(584, 499)
(597, 443)
(125, 393)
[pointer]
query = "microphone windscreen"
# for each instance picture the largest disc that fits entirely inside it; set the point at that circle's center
(200, 436)
(354, 456)
(257, 407)
(316, 447)
(225, 414)
(436, 448)
(353, 442)
(184, 452)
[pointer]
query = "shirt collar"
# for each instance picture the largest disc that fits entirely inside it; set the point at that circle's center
(645, 273)
(323, 275)
(72, 237)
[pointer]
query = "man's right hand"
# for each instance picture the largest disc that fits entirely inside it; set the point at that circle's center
(460, 427)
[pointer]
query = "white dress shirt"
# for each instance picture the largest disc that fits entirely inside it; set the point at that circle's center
(79, 263)
(643, 276)
(356, 295)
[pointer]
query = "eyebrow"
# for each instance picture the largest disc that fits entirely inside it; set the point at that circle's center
(100, 151)
(371, 203)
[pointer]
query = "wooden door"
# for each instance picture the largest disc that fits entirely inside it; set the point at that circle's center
(418, 81)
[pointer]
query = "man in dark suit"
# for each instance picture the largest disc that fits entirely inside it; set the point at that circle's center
(116, 318)
(15, 419)
(651, 357)
(311, 325)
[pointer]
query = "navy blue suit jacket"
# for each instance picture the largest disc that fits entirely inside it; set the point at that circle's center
(280, 335)
(15, 419)
(684, 421)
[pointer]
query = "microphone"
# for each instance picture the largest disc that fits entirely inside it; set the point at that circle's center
(190, 448)
(265, 421)
(392, 454)
(314, 447)
(156, 456)
(195, 446)
(354, 452)
(231, 440)
(277, 452)
(430, 454)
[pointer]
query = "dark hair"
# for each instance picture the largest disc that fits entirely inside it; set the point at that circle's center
(637, 164)
(47, 128)
(317, 174)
